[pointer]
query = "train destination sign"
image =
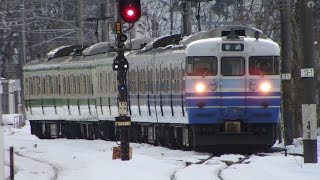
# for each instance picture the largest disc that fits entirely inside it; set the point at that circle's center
(232, 47)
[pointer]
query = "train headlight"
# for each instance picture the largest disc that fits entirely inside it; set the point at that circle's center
(200, 87)
(265, 87)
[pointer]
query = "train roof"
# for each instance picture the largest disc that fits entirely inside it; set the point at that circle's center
(252, 46)
(224, 31)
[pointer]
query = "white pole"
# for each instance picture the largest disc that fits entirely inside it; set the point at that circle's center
(1, 136)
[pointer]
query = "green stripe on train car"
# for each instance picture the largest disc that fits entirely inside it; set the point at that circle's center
(72, 102)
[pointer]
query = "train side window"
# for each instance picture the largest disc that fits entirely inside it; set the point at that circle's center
(131, 81)
(30, 86)
(55, 84)
(51, 85)
(71, 84)
(110, 87)
(108, 82)
(34, 85)
(83, 84)
(101, 82)
(59, 85)
(39, 85)
(68, 85)
(264, 65)
(74, 83)
(232, 66)
(26, 83)
(135, 79)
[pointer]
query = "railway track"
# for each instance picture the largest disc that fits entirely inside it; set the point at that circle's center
(231, 163)
(220, 164)
(187, 163)
(54, 168)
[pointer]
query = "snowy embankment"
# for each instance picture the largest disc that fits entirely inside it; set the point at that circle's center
(63, 159)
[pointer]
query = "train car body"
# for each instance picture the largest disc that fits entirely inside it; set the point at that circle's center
(230, 99)
(203, 92)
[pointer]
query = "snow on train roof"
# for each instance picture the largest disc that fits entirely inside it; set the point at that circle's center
(137, 43)
(222, 31)
(63, 51)
(98, 48)
(213, 47)
(163, 41)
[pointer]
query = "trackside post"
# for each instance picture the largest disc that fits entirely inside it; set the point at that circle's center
(1, 136)
(308, 81)
(130, 12)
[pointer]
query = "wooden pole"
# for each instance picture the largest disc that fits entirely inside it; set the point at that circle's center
(11, 164)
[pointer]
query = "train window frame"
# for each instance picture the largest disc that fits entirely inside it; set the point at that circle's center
(202, 71)
(223, 70)
(256, 69)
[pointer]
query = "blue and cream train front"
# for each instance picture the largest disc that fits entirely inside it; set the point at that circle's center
(233, 90)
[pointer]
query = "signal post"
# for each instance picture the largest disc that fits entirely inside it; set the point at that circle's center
(129, 11)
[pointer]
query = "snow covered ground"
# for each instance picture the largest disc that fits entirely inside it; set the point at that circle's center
(63, 159)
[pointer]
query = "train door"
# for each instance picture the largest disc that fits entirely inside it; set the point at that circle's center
(233, 88)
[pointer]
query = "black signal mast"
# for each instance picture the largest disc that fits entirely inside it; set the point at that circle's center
(128, 11)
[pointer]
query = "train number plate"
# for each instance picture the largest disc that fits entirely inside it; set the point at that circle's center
(232, 126)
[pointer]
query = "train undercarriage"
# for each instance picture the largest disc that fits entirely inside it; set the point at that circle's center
(213, 138)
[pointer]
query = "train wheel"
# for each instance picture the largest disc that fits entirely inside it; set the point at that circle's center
(66, 130)
(96, 130)
(40, 130)
(137, 135)
(89, 132)
(179, 137)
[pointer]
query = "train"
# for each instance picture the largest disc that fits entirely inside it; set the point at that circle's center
(217, 88)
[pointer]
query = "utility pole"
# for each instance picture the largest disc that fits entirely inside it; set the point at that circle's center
(286, 68)
(79, 22)
(23, 33)
(104, 12)
(23, 61)
(1, 135)
(309, 115)
(186, 18)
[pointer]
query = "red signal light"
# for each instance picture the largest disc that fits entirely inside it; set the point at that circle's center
(130, 10)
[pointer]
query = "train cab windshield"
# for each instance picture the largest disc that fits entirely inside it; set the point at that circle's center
(202, 66)
(232, 66)
(264, 65)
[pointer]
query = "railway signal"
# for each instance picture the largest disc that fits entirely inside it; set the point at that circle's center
(130, 10)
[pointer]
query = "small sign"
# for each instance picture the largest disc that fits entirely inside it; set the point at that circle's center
(309, 121)
(307, 72)
(122, 108)
(285, 76)
(232, 47)
(123, 123)
(116, 152)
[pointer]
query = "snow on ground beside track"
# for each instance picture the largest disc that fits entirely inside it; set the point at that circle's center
(64, 159)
